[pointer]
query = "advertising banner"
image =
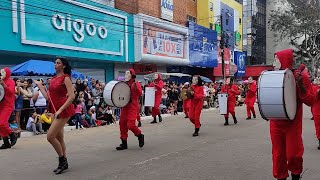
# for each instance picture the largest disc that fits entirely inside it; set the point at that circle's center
(203, 46)
(240, 61)
(167, 9)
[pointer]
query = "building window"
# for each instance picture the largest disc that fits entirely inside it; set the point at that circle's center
(190, 18)
(240, 21)
(211, 6)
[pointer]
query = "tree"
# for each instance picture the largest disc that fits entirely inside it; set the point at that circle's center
(299, 21)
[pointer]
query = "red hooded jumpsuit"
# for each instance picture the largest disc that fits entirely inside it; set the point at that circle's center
(158, 84)
(251, 99)
(129, 113)
(287, 146)
(232, 91)
(186, 105)
(7, 104)
(315, 109)
(196, 105)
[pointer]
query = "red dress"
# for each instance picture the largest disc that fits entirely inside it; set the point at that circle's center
(58, 94)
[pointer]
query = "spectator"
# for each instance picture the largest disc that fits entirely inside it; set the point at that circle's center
(40, 101)
(34, 125)
(18, 102)
(26, 96)
(78, 113)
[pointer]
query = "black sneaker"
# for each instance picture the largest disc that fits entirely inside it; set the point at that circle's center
(141, 140)
(63, 165)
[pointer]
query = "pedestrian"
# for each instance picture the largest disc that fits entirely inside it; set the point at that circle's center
(60, 97)
(196, 103)
(158, 84)
(251, 98)
(286, 136)
(232, 91)
(129, 113)
(315, 109)
(6, 109)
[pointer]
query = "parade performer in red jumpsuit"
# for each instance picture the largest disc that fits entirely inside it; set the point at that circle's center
(315, 109)
(6, 109)
(251, 98)
(187, 102)
(232, 91)
(129, 113)
(196, 103)
(287, 146)
(139, 119)
(158, 84)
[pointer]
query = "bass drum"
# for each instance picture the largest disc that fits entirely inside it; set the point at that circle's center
(1, 92)
(117, 94)
(277, 96)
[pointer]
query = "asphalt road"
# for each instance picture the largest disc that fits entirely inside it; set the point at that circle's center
(236, 152)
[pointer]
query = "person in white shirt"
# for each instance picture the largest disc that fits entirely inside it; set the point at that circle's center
(34, 124)
(40, 102)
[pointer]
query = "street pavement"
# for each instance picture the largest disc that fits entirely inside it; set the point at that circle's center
(236, 152)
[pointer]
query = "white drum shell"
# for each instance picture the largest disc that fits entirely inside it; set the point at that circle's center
(117, 94)
(277, 96)
(2, 92)
(223, 103)
(150, 95)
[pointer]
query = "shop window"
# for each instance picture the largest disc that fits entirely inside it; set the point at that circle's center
(240, 21)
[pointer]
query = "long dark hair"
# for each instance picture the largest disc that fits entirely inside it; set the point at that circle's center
(65, 62)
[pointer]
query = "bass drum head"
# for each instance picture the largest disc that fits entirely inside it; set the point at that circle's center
(290, 95)
(117, 94)
(1, 92)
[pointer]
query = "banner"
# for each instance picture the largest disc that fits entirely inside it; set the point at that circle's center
(240, 61)
(160, 42)
(203, 46)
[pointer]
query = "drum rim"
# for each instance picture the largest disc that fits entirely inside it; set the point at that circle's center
(3, 92)
(283, 99)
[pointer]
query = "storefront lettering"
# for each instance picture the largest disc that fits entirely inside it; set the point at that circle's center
(79, 26)
(167, 4)
(203, 46)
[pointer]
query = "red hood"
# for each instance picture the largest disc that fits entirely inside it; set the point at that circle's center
(286, 58)
(8, 73)
(159, 78)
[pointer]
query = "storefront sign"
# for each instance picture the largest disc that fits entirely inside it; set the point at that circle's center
(79, 29)
(145, 68)
(161, 42)
(167, 9)
(240, 61)
(227, 56)
(203, 48)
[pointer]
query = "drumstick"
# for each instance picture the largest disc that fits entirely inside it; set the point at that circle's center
(54, 108)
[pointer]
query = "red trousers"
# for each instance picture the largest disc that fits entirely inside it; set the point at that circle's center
(195, 112)
(5, 114)
(250, 107)
(230, 109)
(128, 123)
(317, 125)
(186, 106)
(287, 147)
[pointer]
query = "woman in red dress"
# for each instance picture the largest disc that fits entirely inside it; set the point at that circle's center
(60, 97)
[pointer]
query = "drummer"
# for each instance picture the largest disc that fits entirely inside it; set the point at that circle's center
(251, 98)
(187, 101)
(129, 112)
(286, 136)
(6, 108)
(158, 84)
(232, 91)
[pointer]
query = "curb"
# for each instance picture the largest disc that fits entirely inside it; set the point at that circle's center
(25, 134)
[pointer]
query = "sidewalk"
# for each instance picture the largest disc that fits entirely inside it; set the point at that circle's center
(145, 118)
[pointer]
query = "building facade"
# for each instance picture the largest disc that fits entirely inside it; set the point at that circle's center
(91, 35)
(255, 31)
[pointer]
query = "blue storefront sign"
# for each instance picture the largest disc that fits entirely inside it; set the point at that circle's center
(240, 61)
(79, 29)
(203, 48)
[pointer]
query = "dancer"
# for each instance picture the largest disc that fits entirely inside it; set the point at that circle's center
(196, 103)
(251, 98)
(187, 101)
(129, 113)
(315, 109)
(60, 97)
(232, 91)
(6, 109)
(286, 136)
(158, 84)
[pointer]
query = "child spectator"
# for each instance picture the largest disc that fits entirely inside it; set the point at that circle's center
(78, 111)
(34, 124)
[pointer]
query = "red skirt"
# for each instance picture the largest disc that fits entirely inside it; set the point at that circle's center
(65, 114)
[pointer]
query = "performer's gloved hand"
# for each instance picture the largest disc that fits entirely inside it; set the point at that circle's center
(299, 80)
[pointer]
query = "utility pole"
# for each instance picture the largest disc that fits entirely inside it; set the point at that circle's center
(222, 45)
